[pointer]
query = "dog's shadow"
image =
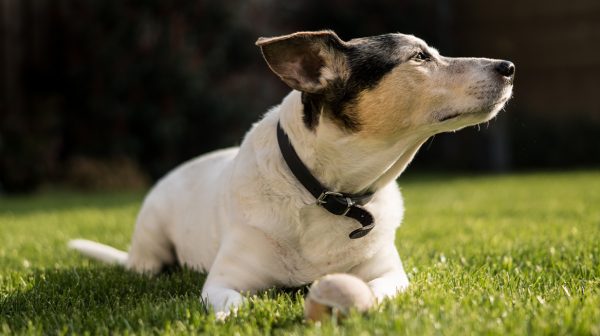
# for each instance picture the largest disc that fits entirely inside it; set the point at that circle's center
(103, 299)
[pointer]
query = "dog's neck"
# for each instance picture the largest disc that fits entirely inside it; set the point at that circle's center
(342, 161)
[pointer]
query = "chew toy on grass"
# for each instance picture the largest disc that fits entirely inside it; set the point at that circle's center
(336, 295)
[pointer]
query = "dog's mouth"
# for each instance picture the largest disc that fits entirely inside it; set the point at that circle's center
(455, 115)
(496, 96)
(483, 111)
(462, 114)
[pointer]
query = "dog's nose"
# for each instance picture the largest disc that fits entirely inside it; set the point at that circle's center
(505, 68)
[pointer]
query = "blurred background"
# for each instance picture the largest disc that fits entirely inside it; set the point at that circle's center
(112, 94)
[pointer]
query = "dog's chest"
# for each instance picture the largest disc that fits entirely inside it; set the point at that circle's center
(321, 246)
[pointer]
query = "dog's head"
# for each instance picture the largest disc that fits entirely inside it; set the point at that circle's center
(387, 85)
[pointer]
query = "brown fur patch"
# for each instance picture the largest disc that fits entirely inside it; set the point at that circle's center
(393, 104)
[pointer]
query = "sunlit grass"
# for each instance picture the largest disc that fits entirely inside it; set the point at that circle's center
(515, 254)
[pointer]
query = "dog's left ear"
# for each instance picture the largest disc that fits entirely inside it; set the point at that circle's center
(306, 61)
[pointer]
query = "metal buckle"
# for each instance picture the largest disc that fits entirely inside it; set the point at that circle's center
(324, 194)
(349, 202)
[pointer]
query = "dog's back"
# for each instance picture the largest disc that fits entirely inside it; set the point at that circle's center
(185, 203)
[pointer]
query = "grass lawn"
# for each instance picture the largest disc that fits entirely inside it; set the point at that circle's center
(514, 254)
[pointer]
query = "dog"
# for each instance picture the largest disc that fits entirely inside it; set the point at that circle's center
(312, 188)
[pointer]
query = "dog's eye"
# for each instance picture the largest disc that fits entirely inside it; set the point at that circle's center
(422, 56)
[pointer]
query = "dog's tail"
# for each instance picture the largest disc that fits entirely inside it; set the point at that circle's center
(101, 252)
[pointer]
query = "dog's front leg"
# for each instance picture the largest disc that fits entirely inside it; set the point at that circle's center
(245, 263)
(384, 273)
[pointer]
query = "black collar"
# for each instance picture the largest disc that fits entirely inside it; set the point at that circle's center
(337, 203)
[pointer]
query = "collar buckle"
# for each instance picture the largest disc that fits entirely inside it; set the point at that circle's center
(337, 203)
(321, 199)
(350, 203)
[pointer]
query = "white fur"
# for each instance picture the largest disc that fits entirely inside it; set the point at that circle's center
(107, 254)
(240, 215)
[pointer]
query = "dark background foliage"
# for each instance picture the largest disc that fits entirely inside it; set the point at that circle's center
(140, 86)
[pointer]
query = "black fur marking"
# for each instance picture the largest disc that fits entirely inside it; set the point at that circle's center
(369, 59)
(312, 105)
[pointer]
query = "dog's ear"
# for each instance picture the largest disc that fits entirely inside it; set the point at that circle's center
(306, 61)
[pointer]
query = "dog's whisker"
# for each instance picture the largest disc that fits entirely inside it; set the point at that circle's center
(430, 142)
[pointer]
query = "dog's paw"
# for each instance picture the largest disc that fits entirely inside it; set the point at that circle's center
(224, 301)
(388, 287)
(221, 316)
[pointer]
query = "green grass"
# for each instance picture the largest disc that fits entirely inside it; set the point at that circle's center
(515, 254)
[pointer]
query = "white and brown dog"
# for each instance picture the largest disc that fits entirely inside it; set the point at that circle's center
(358, 113)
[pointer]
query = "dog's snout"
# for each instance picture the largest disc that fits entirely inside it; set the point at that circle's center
(505, 68)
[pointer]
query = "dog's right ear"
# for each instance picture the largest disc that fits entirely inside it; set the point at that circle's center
(306, 61)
